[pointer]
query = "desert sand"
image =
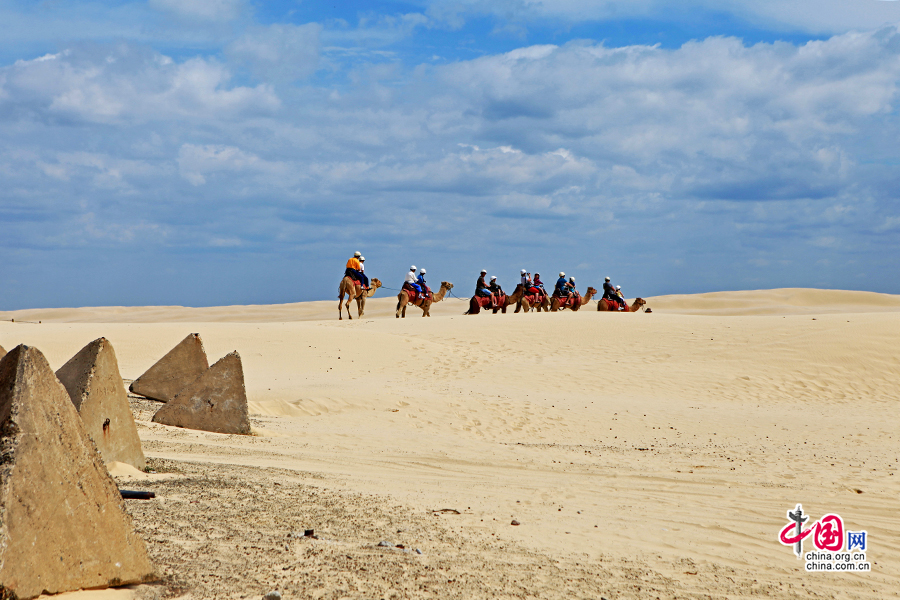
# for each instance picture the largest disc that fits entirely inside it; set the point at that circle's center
(644, 455)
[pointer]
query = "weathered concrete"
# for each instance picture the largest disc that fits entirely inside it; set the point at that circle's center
(63, 524)
(217, 401)
(182, 365)
(95, 386)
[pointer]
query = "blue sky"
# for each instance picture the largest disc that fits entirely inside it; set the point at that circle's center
(207, 152)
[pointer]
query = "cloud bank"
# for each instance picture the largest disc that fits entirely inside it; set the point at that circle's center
(243, 178)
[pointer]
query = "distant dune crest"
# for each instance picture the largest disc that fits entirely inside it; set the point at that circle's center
(783, 301)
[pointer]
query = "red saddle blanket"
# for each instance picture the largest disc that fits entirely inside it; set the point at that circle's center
(415, 296)
(485, 301)
(533, 299)
(569, 302)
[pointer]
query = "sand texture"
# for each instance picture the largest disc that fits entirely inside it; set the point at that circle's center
(644, 455)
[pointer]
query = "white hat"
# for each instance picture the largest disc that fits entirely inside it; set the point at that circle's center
(607, 279)
(523, 271)
(562, 274)
(484, 271)
(356, 255)
(493, 277)
(422, 271)
(572, 279)
(618, 287)
(412, 268)
(362, 259)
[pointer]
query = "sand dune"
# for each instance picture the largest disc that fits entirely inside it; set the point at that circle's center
(777, 302)
(665, 447)
(753, 302)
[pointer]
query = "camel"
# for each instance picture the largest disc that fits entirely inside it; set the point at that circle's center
(526, 303)
(606, 306)
(355, 292)
(423, 303)
(555, 304)
(476, 303)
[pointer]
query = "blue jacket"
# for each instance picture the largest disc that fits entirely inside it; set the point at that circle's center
(561, 284)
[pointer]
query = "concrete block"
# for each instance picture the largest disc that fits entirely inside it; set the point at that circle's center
(183, 364)
(95, 386)
(63, 525)
(217, 401)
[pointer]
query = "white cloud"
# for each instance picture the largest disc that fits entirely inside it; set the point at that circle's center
(197, 162)
(129, 83)
(278, 52)
(814, 16)
(206, 10)
(375, 30)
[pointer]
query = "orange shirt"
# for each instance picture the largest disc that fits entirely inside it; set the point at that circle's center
(353, 263)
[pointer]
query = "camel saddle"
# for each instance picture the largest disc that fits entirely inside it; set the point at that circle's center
(533, 299)
(569, 302)
(485, 301)
(415, 296)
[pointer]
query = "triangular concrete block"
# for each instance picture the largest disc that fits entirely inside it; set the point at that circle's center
(63, 524)
(217, 401)
(183, 364)
(92, 379)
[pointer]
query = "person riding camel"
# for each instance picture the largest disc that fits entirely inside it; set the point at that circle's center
(562, 287)
(537, 286)
(420, 280)
(571, 287)
(362, 272)
(481, 288)
(525, 280)
(495, 288)
(411, 283)
(609, 292)
(619, 292)
(354, 270)
(560, 283)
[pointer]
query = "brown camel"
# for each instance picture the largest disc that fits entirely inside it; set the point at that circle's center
(507, 301)
(525, 303)
(355, 292)
(555, 304)
(606, 306)
(423, 303)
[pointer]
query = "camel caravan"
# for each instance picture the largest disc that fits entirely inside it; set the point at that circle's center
(529, 294)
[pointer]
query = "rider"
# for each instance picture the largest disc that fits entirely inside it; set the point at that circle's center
(609, 292)
(411, 283)
(571, 287)
(481, 288)
(420, 280)
(354, 270)
(495, 288)
(561, 285)
(526, 280)
(537, 286)
(362, 272)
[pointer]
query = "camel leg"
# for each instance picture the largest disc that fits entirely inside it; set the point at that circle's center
(349, 316)
(341, 307)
